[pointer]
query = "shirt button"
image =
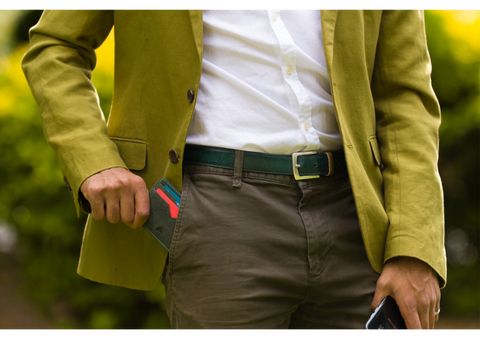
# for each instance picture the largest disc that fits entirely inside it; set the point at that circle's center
(306, 126)
(190, 95)
(274, 16)
(289, 70)
(173, 155)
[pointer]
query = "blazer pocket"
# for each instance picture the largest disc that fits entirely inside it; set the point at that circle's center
(132, 151)
(375, 150)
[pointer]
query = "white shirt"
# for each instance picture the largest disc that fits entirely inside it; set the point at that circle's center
(264, 84)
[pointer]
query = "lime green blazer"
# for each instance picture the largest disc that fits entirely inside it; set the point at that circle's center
(386, 109)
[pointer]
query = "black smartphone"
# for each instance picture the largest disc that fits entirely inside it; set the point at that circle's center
(386, 317)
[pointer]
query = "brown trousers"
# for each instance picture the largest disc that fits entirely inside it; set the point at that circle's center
(271, 252)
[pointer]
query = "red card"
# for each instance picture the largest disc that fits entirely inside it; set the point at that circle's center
(171, 204)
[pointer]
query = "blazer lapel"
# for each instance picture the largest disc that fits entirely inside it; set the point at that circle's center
(329, 20)
(196, 16)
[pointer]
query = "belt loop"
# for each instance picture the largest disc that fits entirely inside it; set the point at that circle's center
(237, 169)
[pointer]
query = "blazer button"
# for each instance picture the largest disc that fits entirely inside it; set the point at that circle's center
(190, 95)
(173, 155)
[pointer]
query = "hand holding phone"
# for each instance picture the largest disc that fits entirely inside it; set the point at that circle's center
(386, 316)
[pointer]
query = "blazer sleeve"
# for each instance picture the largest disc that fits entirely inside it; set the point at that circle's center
(58, 67)
(408, 119)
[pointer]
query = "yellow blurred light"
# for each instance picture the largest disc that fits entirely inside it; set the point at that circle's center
(465, 17)
(463, 26)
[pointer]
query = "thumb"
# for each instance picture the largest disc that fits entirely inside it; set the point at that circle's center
(379, 295)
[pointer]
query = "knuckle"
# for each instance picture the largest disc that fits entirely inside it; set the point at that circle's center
(122, 181)
(98, 211)
(113, 219)
(139, 184)
(117, 183)
(136, 179)
(97, 216)
(128, 219)
(95, 190)
(143, 212)
(111, 186)
(381, 284)
(113, 216)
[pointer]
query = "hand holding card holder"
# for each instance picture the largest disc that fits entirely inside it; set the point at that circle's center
(164, 204)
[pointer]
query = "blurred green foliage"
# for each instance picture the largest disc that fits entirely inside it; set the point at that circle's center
(35, 202)
(454, 44)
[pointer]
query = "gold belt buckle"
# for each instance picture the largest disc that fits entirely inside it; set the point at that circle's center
(296, 166)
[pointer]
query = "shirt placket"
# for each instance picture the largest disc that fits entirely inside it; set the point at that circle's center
(288, 53)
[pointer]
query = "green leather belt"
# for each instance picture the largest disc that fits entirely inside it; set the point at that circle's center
(302, 165)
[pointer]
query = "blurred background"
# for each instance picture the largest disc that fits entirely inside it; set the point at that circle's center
(40, 235)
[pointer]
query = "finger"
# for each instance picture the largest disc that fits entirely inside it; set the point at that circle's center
(113, 210)
(436, 315)
(97, 205)
(426, 313)
(126, 204)
(434, 307)
(127, 209)
(95, 197)
(377, 299)
(142, 207)
(437, 305)
(412, 320)
(425, 306)
(431, 316)
(380, 293)
(437, 310)
(98, 209)
(408, 309)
